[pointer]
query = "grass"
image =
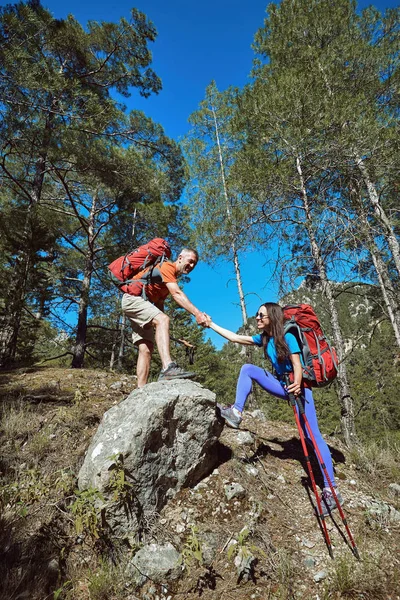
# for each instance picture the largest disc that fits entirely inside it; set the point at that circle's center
(367, 579)
(18, 421)
(102, 582)
(377, 460)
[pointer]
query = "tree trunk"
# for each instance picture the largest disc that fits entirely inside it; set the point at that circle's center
(11, 322)
(345, 399)
(16, 296)
(229, 218)
(380, 213)
(122, 344)
(252, 399)
(81, 331)
(388, 292)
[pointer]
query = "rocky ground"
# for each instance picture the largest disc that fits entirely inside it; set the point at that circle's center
(248, 530)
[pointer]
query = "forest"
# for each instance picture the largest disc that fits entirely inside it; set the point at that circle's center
(302, 163)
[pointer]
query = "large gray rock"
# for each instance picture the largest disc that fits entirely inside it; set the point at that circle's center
(166, 435)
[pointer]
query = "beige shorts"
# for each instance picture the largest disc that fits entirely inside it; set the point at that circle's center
(140, 313)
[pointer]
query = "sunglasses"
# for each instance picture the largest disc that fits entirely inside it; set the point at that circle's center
(261, 316)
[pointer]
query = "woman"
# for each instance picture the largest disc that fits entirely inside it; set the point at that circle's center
(285, 355)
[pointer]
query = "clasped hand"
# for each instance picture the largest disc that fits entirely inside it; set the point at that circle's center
(203, 319)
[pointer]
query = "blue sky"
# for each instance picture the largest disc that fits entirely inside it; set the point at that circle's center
(197, 42)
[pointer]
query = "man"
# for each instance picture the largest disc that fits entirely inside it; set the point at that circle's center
(148, 319)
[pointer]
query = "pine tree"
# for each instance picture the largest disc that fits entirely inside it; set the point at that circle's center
(62, 129)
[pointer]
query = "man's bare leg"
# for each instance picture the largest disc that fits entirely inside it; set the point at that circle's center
(145, 350)
(161, 322)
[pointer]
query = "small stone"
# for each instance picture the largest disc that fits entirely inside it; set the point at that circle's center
(353, 482)
(234, 490)
(319, 576)
(251, 470)
(200, 486)
(180, 528)
(307, 543)
(53, 565)
(155, 562)
(258, 414)
(215, 472)
(394, 489)
(244, 438)
(163, 521)
(116, 386)
(270, 497)
(309, 562)
(281, 478)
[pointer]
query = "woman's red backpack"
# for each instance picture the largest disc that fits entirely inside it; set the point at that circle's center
(124, 268)
(320, 359)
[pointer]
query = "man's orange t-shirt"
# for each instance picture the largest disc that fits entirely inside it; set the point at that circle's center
(157, 291)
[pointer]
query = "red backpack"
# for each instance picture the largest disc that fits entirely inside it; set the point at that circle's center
(320, 359)
(124, 268)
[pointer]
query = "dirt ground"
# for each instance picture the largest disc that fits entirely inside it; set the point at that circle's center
(48, 417)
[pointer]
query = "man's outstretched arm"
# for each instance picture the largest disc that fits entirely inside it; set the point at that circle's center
(180, 298)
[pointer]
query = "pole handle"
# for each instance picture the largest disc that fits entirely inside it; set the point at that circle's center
(292, 397)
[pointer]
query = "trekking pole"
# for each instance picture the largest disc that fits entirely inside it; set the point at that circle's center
(293, 401)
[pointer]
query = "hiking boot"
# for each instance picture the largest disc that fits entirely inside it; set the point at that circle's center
(231, 417)
(328, 501)
(174, 372)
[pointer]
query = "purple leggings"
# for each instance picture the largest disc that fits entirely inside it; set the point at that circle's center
(268, 382)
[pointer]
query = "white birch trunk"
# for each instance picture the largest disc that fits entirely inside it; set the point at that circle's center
(345, 399)
(252, 399)
(388, 292)
(229, 217)
(380, 213)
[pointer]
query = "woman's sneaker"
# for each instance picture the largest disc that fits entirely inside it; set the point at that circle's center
(231, 416)
(175, 372)
(328, 502)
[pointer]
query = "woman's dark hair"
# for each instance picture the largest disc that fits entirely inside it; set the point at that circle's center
(276, 320)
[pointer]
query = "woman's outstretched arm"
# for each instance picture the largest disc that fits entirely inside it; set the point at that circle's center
(245, 340)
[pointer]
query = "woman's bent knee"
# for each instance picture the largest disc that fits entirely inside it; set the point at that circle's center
(246, 369)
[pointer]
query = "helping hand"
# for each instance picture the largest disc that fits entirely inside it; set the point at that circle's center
(203, 319)
(208, 321)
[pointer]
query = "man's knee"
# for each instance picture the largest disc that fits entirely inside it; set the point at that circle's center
(161, 320)
(145, 348)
